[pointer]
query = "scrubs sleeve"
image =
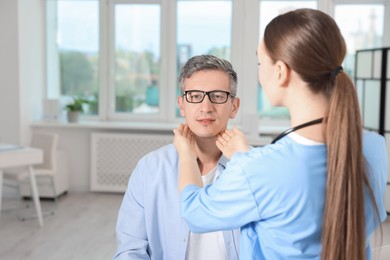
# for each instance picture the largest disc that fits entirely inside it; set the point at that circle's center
(227, 204)
(383, 177)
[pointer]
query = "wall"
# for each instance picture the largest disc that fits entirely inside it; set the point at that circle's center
(9, 73)
(21, 76)
(30, 65)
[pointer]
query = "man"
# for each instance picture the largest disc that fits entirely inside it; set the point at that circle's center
(149, 222)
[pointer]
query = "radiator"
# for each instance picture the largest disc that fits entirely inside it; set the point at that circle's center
(114, 156)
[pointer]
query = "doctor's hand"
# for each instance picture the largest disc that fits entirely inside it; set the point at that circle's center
(184, 141)
(232, 141)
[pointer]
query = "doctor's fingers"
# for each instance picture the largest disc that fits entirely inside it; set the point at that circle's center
(220, 144)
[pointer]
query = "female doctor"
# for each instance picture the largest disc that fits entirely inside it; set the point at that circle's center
(316, 191)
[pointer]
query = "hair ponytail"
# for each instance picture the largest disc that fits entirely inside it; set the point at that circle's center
(343, 235)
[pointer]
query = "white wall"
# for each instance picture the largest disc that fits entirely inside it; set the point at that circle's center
(30, 64)
(10, 127)
(20, 68)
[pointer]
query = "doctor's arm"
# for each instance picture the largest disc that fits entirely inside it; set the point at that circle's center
(189, 172)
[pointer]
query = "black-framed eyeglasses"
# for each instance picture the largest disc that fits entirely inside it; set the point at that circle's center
(215, 96)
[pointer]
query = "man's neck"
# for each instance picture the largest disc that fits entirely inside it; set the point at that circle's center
(208, 155)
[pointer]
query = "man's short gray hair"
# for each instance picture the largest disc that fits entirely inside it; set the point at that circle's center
(208, 62)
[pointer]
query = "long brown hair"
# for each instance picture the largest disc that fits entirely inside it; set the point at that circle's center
(310, 43)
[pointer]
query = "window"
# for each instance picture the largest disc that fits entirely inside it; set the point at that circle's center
(203, 27)
(268, 11)
(362, 28)
(72, 46)
(137, 58)
(124, 56)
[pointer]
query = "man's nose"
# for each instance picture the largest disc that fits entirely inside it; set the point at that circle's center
(206, 103)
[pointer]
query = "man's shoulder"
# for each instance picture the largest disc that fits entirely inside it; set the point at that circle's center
(156, 167)
(168, 149)
(165, 153)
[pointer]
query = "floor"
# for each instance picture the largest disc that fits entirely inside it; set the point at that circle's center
(381, 249)
(83, 227)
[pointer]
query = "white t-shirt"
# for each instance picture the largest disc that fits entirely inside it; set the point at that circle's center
(206, 246)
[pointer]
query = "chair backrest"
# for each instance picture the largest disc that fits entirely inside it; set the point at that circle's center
(47, 142)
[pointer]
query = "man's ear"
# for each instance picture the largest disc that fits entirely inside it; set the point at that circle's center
(180, 103)
(281, 73)
(236, 105)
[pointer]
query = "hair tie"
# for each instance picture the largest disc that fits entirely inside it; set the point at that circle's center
(334, 73)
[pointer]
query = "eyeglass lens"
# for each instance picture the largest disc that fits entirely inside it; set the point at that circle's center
(216, 96)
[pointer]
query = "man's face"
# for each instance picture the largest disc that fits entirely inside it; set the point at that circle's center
(207, 119)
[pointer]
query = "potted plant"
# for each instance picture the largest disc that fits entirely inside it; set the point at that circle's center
(75, 108)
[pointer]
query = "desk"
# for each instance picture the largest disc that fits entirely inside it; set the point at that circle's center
(22, 156)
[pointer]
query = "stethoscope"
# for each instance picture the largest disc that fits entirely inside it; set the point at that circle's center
(292, 129)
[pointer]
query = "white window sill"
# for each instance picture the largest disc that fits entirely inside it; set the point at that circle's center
(108, 125)
(267, 133)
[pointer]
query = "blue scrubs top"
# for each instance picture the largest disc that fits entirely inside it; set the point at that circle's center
(276, 194)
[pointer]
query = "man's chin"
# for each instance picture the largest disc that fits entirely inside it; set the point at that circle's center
(203, 134)
(206, 131)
